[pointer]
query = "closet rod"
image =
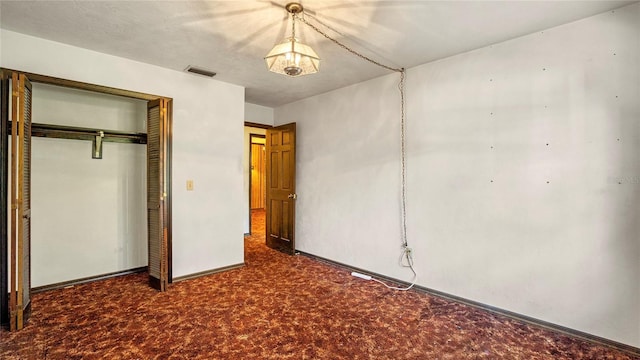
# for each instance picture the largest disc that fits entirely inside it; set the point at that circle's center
(89, 134)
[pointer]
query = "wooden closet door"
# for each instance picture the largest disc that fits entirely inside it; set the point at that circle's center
(157, 175)
(5, 132)
(20, 291)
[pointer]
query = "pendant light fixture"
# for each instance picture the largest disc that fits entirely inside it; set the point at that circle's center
(292, 57)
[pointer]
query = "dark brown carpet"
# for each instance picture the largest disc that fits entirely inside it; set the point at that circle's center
(276, 307)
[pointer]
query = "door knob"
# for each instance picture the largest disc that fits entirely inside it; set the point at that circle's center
(293, 196)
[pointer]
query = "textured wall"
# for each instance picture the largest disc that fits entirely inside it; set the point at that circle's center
(523, 179)
(258, 114)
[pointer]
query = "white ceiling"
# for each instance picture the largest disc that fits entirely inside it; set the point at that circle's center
(232, 37)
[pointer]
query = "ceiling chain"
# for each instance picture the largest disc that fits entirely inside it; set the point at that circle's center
(346, 47)
(293, 26)
(403, 152)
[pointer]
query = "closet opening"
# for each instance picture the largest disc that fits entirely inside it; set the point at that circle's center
(97, 171)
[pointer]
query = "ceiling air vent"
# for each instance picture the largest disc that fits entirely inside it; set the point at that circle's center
(200, 71)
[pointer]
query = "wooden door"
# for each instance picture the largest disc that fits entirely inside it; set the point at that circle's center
(158, 173)
(20, 288)
(5, 132)
(258, 176)
(281, 187)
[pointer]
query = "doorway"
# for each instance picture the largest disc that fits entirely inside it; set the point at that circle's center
(280, 173)
(254, 138)
(257, 179)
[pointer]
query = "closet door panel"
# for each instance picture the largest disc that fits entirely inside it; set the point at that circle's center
(4, 196)
(157, 121)
(20, 258)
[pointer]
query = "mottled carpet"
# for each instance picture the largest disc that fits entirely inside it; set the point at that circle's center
(275, 307)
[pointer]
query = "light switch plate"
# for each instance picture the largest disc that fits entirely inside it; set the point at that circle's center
(189, 185)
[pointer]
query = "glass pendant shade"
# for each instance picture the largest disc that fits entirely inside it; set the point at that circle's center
(292, 58)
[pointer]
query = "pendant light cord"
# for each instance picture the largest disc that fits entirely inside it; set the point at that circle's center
(406, 258)
(363, 57)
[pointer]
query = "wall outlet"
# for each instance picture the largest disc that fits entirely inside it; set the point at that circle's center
(189, 185)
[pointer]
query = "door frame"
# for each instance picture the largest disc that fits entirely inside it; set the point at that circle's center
(251, 136)
(259, 126)
(6, 73)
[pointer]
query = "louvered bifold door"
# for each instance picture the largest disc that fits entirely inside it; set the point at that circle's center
(157, 124)
(20, 288)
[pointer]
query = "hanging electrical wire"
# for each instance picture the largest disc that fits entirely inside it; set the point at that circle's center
(406, 258)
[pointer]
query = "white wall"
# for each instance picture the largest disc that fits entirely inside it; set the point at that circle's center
(207, 141)
(258, 114)
(246, 162)
(89, 214)
(566, 251)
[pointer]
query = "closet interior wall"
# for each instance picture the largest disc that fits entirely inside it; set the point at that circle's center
(89, 214)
